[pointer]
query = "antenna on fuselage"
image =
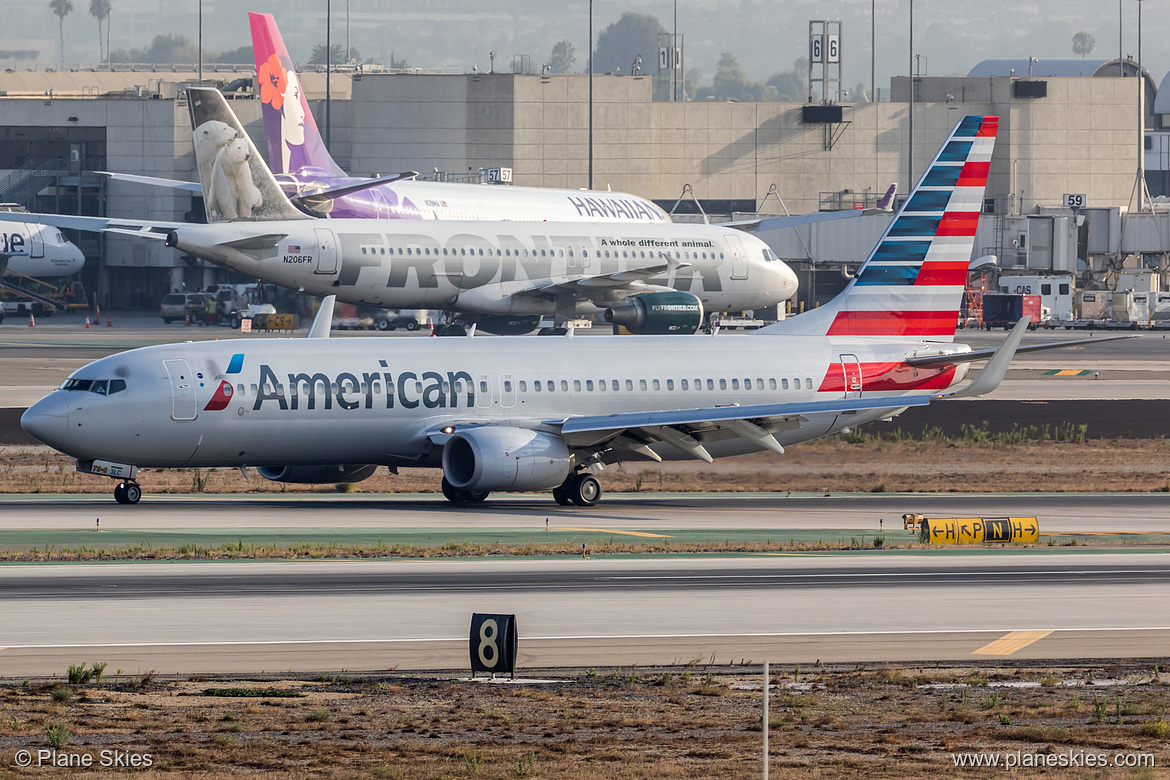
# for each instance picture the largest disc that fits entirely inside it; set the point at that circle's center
(324, 319)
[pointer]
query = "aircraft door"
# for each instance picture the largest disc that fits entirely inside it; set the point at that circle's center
(483, 391)
(851, 373)
(507, 391)
(36, 241)
(182, 390)
(326, 251)
(739, 262)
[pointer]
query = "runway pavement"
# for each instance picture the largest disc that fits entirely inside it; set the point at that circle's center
(659, 513)
(368, 615)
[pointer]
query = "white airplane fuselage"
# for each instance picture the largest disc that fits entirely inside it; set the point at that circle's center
(39, 251)
(387, 401)
(496, 267)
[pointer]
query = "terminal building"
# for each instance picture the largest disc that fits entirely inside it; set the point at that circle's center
(1065, 130)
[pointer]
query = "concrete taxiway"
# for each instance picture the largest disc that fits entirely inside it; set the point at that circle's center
(369, 615)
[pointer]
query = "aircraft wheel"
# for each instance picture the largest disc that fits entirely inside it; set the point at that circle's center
(120, 493)
(133, 493)
(562, 496)
(475, 496)
(585, 490)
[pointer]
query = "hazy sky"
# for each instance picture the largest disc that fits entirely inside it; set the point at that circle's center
(767, 36)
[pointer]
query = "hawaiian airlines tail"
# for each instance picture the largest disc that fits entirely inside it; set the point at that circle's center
(237, 185)
(294, 143)
(911, 285)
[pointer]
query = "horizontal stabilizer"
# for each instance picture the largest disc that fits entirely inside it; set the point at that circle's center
(984, 354)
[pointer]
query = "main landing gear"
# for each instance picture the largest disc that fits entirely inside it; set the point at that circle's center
(581, 488)
(459, 496)
(127, 492)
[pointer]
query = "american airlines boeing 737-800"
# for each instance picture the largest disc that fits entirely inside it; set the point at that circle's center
(538, 414)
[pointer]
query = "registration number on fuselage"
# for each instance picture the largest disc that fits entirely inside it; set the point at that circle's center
(298, 259)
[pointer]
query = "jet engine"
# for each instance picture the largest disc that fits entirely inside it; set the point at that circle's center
(505, 458)
(504, 324)
(341, 472)
(658, 313)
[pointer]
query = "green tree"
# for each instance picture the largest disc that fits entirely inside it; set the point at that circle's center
(240, 56)
(167, 48)
(1084, 43)
(337, 55)
(731, 83)
(563, 57)
(100, 10)
(61, 8)
(618, 44)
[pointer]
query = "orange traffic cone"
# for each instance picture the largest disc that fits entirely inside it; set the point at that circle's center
(32, 321)
(99, 312)
(188, 322)
(109, 321)
(87, 321)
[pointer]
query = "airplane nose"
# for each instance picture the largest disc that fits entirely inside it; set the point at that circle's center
(47, 420)
(788, 281)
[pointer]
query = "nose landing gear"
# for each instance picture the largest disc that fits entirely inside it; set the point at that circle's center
(127, 492)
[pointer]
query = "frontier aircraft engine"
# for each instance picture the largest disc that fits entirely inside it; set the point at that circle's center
(658, 313)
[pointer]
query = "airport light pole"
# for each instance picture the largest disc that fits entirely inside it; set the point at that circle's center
(200, 40)
(590, 94)
(910, 113)
(328, 70)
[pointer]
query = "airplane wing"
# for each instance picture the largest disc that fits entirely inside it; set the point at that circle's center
(589, 285)
(145, 229)
(688, 429)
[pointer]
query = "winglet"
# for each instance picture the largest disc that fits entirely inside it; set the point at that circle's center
(324, 319)
(993, 373)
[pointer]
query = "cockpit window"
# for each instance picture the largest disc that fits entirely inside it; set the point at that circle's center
(770, 256)
(99, 386)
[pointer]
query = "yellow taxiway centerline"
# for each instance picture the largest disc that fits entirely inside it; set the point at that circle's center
(611, 531)
(1011, 642)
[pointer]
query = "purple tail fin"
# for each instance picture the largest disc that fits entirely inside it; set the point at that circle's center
(294, 143)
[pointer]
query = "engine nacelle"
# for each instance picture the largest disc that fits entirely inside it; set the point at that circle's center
(505, 458)
(504, 324)
(658, 313)
(311, 475)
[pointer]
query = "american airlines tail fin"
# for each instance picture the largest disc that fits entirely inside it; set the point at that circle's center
(237, 185)
(294, 143)
(911, 285)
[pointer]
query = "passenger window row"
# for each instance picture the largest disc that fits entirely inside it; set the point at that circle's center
(492, 252)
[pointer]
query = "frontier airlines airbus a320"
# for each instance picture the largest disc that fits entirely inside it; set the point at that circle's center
(549, 413)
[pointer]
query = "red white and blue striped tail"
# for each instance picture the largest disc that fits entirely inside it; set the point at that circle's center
(911, 285)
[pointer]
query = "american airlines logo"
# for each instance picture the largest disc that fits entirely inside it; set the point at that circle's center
(351, 390)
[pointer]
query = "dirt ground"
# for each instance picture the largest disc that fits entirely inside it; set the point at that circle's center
(832, 465)
(686, 721)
